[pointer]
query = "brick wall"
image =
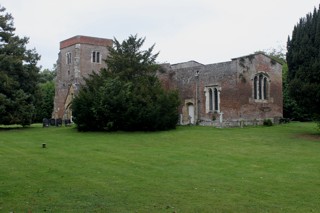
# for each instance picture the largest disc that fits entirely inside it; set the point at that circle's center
(85, 40)
(235, 79)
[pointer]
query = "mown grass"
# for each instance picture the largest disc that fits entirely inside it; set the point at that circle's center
(191, 169)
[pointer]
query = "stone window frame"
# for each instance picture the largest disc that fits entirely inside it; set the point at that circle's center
(96, 57)
(261, 84)
(212, 95)
(68, 58)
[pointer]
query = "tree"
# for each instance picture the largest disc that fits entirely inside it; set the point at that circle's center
(45, 95)
(18, 75)
(127, 95)
(303, 59)
(47, 75)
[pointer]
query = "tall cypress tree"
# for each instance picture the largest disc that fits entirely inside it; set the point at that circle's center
(303, 59)
(18, 75)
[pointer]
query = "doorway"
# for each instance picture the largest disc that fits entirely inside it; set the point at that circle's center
(191, 113)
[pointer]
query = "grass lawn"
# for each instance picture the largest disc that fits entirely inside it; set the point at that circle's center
(190, 169)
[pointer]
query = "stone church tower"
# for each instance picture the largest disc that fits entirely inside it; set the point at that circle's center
(78, 57)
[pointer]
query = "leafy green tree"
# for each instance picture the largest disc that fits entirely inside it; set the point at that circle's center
(127, 95)
(18, 75)
(44, 106)
(45, 95)
(47, 75)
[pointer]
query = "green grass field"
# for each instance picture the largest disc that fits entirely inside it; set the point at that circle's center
(191, 169)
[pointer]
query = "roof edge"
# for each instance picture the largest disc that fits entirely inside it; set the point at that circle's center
(254, 54)
(80, 39)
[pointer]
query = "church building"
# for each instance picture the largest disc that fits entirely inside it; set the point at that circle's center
(243, 91)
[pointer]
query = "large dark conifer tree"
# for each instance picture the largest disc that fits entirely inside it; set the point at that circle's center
(303, 59)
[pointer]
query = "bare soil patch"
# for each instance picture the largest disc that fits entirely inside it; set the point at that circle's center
(311, 137)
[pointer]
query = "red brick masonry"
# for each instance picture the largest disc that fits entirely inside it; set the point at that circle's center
(85, 40)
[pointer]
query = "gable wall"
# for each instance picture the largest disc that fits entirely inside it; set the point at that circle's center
(235, 80)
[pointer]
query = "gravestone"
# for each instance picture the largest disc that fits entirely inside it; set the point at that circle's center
(52, 122)
(59, 122)
(67, 122)
(45, 122)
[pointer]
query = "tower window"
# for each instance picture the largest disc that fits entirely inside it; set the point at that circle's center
(95, 57)
(68, 58)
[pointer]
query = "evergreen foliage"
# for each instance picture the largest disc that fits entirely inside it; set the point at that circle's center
(303, 59)
(18, 75)
(127, 95)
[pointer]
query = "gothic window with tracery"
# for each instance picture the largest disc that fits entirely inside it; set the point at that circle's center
(216, 99)
(261, 87)
(212, 99)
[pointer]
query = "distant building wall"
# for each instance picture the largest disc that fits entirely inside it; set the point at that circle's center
(235, 98)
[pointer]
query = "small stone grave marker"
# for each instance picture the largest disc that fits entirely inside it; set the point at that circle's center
(52, 122)
(67, 122)
(59, 122)
(45, 122)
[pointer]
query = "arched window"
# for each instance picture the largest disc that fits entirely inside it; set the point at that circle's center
(210, 100)
(265, 88)
(216, 100)
(255, 87)
(212, 94)
(260, 87)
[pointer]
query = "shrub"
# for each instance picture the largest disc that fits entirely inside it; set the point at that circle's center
(267, 122)
(214, 117)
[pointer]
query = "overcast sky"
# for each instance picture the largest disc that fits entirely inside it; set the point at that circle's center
(207, 31)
